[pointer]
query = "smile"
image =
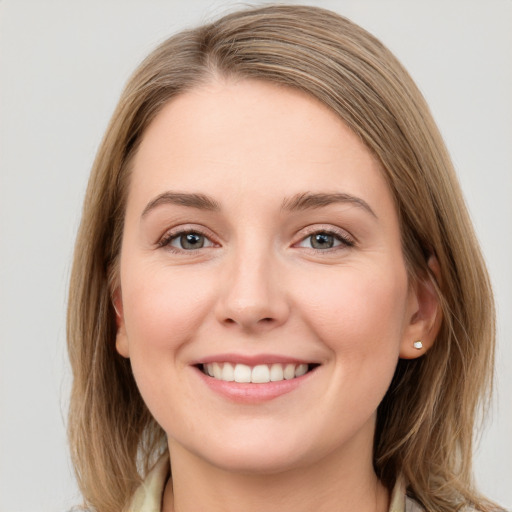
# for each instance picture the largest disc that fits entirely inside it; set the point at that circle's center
(259, 374)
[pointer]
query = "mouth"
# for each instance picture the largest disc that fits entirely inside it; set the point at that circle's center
(258, 374)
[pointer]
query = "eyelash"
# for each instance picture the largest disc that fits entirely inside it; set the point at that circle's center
(345, 240)
(167, 239)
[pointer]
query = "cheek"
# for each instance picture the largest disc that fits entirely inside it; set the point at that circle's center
(163, 309)
(358, 312)
(163, 312)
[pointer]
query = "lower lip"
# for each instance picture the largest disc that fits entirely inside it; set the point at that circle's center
(252, 393)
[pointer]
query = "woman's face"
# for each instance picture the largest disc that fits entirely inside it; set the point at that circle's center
(261, 241)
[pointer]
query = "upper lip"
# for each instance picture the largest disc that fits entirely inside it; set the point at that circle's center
(251, 360)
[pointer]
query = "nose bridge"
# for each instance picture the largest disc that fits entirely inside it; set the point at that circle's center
(252, 295)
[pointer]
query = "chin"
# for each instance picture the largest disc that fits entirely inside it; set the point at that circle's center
(254, 453)
(256, 461)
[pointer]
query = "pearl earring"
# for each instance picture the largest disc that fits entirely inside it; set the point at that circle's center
(418, 345)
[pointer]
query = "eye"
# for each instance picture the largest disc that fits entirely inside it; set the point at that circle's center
(186, 241)
(324, 240)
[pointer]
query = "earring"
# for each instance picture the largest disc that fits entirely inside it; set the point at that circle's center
(418, 345)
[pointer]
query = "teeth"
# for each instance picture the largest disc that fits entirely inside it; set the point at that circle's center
(228, 372)
(259, 374)
(217, 370)
(276, 372)
(301, 370)
(242, 373)
(289, 371)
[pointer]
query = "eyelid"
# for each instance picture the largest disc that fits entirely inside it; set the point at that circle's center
(172, 233)
(347, 240)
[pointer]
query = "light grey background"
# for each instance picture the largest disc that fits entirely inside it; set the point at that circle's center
(62, 67)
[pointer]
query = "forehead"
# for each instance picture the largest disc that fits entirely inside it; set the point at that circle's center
(233, 137)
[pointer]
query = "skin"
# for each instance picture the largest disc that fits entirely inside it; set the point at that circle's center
(258, 286)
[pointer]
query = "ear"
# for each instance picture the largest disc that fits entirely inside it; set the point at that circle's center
(425, 314)
(121, 338)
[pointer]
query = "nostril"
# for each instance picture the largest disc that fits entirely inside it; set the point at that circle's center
(266, 320)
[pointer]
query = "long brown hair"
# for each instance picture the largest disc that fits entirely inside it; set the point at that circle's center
(426, 422)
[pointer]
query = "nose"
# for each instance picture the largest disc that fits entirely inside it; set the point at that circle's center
(252, 295)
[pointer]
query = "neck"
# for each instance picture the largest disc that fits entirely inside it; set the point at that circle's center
(330, 484)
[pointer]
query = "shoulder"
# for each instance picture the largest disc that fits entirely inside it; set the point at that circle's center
(412, 506)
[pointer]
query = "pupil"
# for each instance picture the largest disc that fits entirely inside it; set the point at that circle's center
(192, 241)
(322, 241)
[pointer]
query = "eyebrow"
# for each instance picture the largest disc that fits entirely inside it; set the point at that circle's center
(199, 201)
(298, 202)
(307, 200)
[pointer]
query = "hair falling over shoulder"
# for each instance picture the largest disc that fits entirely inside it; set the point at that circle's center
(426, 422)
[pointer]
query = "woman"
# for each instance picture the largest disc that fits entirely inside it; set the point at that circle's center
(276, 283)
